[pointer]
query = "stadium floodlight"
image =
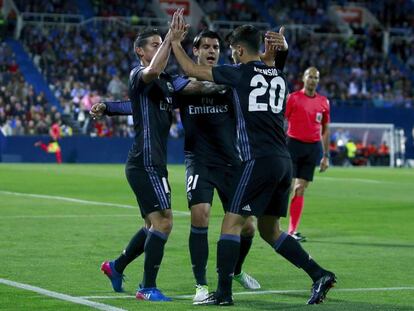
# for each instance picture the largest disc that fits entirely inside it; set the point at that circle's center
(373, 134)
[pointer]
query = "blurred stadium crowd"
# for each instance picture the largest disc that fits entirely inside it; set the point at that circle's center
(90, 63)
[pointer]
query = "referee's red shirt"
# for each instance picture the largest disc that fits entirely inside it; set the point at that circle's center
(306, 115)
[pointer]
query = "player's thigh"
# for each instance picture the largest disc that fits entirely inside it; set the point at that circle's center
(222, 177)
(255, 185)
(150, 186)
(279, 199)
(198, 186)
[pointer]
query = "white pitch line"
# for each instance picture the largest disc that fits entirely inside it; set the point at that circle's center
(64, 216)
(73, 200)
(266, 292)
(60, 296)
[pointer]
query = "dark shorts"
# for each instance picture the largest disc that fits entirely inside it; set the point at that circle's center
(151, 187)
(203, 179)
(261, 187)
(304, 158)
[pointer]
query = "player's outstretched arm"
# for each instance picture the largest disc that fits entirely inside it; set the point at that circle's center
(178, 28)
(97, 110)
(111, 108)
(203, 88)
(158, 62)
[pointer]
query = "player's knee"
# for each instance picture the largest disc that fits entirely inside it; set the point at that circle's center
(200, 215)
(300, 190)
(248, 229)
(163, 225)
(167, 227)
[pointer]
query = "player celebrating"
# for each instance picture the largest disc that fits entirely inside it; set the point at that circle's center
(307, 113)
(263, 180)
(150, 91)
(211, 157)
(151, 105)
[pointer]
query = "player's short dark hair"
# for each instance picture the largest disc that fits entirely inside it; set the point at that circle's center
(247, 35)
(142, 37)
(205, 34)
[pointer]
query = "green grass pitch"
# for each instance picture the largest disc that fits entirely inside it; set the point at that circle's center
(359, 223)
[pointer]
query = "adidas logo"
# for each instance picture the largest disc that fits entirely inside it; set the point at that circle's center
(147, 296)
(246, 208)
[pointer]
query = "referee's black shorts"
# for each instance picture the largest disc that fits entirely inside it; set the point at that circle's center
(304, 158)
(151, 187)
(203, 179)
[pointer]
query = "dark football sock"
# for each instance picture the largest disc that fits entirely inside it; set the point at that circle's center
(198, 244)
(134, 248)
(245, 244)
(228, 249)
(291, 249)
(154, 251)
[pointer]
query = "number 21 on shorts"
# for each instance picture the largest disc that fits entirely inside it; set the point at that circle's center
(192, 182)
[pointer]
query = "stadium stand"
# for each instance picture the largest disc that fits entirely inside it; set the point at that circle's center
(108, 8)
(234, 10)
(353, 72)
(84, 61)
(22, 112)
(47, 6)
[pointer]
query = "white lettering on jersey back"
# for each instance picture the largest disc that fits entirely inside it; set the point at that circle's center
(267, 71)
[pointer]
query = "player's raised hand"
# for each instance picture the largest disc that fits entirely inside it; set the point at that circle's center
(97, 110)
(276, 40)
(273, 42)
(178, 27)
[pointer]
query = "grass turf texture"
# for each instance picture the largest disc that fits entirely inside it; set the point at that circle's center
(358, 222)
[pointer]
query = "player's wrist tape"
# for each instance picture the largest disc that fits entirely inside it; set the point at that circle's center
(326, 155)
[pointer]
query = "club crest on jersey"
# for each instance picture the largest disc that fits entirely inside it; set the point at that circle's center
(319, 117)
(170, 87)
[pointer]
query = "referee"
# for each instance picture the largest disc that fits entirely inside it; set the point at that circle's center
(307, 113)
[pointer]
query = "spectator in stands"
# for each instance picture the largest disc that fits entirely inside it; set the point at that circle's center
(354, 69)
(116, 88)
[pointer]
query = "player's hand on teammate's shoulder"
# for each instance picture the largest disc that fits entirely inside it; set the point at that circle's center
(97, 110)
